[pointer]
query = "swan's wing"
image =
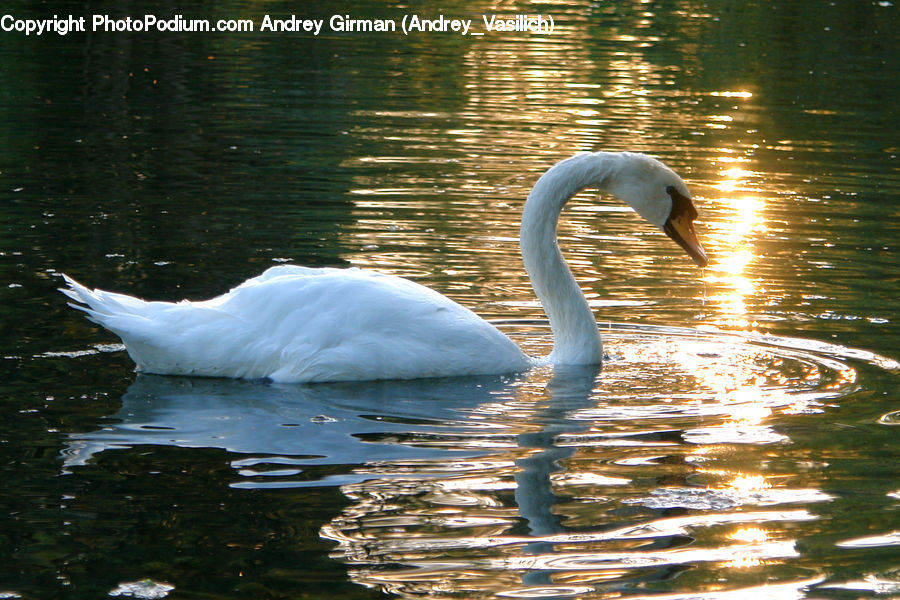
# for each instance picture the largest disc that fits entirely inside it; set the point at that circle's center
(350, 324)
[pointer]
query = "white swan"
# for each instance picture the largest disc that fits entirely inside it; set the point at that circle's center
(297, 324)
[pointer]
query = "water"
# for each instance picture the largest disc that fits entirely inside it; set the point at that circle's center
(740, 441)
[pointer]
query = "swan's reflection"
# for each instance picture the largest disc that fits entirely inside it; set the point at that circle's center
(569, 391)
(298, 425)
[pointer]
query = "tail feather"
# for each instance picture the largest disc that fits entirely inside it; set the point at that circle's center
(75, 291)
(83, 298)
(98, 303)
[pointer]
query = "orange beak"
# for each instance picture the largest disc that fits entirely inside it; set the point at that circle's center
(681, 229)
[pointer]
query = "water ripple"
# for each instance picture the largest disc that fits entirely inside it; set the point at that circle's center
(887, 539)
(721, 499)
(551, 483)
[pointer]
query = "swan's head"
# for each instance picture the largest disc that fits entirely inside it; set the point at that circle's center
(659, 195)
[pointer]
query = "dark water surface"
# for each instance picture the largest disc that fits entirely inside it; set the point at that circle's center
(742, 440)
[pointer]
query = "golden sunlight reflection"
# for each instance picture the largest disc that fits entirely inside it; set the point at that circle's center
(748, 484)
(732, 94)
(743, 562)
(750, 414)
(749, 535)
(731, 239)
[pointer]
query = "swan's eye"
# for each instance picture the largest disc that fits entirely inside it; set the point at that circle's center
(681, 205)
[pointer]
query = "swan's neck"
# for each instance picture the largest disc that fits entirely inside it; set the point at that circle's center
(576, 339)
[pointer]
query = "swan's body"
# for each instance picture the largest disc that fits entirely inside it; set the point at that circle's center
(297, 324)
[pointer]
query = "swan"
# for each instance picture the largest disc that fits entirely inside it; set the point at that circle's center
(299, 324)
